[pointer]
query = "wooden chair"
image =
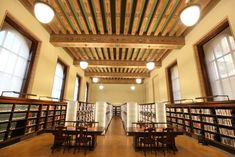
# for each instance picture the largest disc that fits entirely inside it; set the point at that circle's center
(167, 140)
(82, 139)
(61, 138)
(148, 141)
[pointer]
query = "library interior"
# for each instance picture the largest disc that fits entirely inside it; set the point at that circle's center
(117, 78)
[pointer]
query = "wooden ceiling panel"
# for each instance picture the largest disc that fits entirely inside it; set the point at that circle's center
(118, 38)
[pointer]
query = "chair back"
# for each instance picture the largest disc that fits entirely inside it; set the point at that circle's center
(59, 132)
(169, 135)
(81, 132)
(149, 134)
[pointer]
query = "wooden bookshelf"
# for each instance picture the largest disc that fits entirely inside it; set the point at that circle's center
(86, 111)
(147, 112)
(21, 117)
(213, 121)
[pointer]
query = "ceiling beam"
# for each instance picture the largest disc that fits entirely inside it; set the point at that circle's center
(114, 81)
(118, 75)
(116, 63)
(115, 41)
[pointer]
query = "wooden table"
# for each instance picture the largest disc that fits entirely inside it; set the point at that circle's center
(137, 132)
(92, 131)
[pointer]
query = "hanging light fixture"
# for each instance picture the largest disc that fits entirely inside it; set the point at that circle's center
(190, 15)
(132, 87)
(43, 12)
(101, 87)
(83, 64)
(95, 79)
(138, 80)
(150, 65)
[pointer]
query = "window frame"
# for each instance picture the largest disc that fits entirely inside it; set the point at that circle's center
(206, 88)
(32, 53)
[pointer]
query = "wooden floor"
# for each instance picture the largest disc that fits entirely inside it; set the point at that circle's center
(114, 144)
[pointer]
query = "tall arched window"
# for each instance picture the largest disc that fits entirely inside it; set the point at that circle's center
(59, 81)
(15, 58)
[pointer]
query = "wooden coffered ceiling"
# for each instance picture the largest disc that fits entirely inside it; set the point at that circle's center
(118, 37)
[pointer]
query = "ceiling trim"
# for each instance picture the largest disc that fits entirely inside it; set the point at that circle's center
(115, 41)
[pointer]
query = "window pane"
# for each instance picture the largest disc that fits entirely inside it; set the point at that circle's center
(226, 86)
(232, 43)
(20, 67)
(9, 40)
(3, 59)
(213, 71)
(209, 56)
(2, 35)
(218, 50)
(224, 45)
(229, 63)
(222, 68)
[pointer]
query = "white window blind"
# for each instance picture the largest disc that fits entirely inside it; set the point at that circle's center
(14, 59)
(58, 81)
(220, 62)
(175, 83)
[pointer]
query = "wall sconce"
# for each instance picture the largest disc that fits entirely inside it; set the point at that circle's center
(43, 12)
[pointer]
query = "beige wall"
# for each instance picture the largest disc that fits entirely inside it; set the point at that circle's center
(117, 93)
(44, 66)
(185, 57)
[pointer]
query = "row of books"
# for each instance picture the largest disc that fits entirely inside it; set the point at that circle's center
(210, 136)
(228, 141)
(211, 128)
(208, 119)
(224, 112)
(197, 125)
(196, 118)
(196, 111)
(227, 132)
(225, 121)
(206, 111)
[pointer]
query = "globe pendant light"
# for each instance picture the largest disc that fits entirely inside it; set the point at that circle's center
(101, 87)
(43, 12)
(190, 15)
(150, 65)
(83, 64)
(138, 80)
(95, 79)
